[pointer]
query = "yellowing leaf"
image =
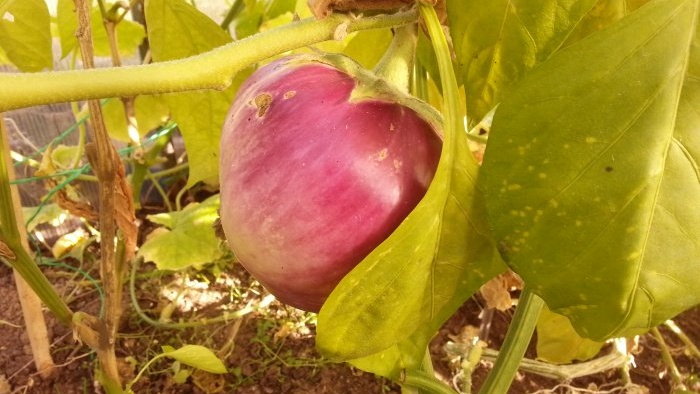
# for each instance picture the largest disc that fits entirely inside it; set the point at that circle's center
(196, 356)
(190, 240)
(558, 342)
(129, 34)
(177, 30)
(25, 34)
(151, 112)
(498, 41)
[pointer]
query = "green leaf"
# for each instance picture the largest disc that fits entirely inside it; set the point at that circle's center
(603, 14)
(129, 34)
(177, 30)
(368, 55)
(558, 342)
(151, 112)
(25, 34)
(497, 42)
(196, 356)
(190, 240)
(592, 178)
(441, 254)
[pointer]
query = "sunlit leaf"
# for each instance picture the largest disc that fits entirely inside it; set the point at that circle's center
(497, 42)
(196, 356)
(177, 30)
(603, 14)
(592, 178)
(129, 34)
(25, 34)
(49, 213)
(189, 240)
(558, 342)
(368, 55)
(151, 112)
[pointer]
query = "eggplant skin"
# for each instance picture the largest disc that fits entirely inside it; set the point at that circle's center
(312, 179)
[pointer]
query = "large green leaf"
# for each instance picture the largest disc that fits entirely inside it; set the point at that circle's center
(25, 34)
(592, 179)
(177, 30)
(498, 41)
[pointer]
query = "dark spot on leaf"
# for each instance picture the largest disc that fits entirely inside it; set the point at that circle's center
(262, 102)
(608, 169)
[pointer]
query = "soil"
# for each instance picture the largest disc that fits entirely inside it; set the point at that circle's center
(272, 349)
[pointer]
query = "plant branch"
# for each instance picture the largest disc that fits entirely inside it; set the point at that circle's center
(668, 360)
(424, 381)
(211, 70)
(515, 344)
(104, 160)
(11, 249)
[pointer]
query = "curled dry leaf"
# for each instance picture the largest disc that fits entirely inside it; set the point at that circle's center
(6, 252)
(124, 209)
(65, 197)
(496, 292)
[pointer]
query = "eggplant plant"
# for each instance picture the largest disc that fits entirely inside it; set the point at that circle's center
(588, 188)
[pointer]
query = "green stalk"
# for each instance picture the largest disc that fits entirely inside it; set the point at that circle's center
(396, 65)
(18, 257)
(668, 360)
(426, 382)
(517, 339)
(211, 70)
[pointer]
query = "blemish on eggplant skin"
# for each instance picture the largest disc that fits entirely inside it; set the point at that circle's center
(262, 103)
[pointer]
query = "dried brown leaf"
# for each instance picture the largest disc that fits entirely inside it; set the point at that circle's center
(496, 292)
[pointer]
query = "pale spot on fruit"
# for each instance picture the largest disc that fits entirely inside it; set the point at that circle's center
(397, 164)
(262, 103)
(542, 175)
(8, 17)
(392, 127)
(290, 94)
(381, 155)
(591, 140)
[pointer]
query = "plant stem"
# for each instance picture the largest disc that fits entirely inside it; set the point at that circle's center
(424, 381)
(668, 360)
(236, 8)
(104, 159)
(515, 344)
(14, 253)
(211, 70)
(396, 65)
(684, 338)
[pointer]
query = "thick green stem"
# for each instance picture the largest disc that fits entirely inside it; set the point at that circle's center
(425, 382)
(17, 255)
(211, 70)
(515, 344)
(396, 65)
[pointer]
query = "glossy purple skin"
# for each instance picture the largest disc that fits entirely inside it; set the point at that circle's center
(314, 184)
